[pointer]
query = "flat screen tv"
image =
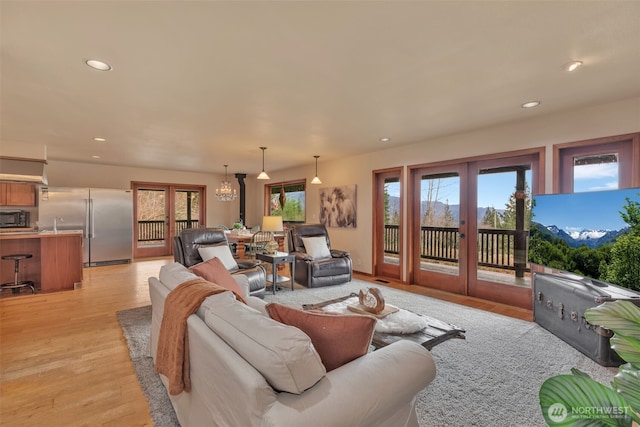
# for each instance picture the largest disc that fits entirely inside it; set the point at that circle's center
(592, 234)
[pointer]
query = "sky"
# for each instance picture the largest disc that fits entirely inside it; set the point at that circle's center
(494, 189)
(597, 210)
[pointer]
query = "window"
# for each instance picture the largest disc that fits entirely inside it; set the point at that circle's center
(287, 199)
(598, 164)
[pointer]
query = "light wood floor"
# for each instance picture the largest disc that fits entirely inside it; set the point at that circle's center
(65, 362)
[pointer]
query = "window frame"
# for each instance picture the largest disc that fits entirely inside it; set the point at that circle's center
(277, 185)
(627, 147)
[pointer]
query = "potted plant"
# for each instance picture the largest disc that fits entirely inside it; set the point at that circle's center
(578, 400)
(237, 226)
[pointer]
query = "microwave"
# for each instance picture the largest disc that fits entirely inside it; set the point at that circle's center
(14, 219)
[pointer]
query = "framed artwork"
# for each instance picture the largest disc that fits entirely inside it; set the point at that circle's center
(338, 206)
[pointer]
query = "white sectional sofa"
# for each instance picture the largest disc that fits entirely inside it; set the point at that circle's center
(239, 371)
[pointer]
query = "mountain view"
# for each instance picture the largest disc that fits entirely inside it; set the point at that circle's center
(394, 206)
(575, 239)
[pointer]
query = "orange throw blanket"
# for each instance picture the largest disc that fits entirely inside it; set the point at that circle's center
(172, 358)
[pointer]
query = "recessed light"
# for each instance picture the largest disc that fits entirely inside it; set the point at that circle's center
(95, 157)
(98, 65)
(572, 66)
(100, 139)
(531, 104)
(385, 139)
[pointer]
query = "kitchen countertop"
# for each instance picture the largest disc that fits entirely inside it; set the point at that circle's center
(37, 234)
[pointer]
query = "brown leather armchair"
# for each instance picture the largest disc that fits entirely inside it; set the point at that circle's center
(334, 269)
(185, 251)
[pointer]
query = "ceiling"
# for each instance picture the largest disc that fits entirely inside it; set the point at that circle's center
(196, 85)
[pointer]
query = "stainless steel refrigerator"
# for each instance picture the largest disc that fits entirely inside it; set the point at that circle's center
(104, 215)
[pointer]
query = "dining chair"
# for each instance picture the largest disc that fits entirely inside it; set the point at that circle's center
(257, 244)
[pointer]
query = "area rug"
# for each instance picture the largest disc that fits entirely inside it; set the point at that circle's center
(136, 326)
(491, 378)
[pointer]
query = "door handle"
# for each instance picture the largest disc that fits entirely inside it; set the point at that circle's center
(462, 236)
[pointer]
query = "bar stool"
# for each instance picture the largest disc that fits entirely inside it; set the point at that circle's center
(17, 284)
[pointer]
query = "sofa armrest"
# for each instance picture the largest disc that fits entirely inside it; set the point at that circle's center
(377, 386)
(244, 264)
(301, 256)
(336, 253)
(257, 278)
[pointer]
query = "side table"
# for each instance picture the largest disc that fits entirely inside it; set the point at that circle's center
(275, 260)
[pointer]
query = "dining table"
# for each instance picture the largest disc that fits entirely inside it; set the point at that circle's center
(242, 237)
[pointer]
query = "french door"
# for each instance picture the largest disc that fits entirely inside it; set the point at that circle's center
(161, 212)
(388, 236)
(469, 226)
(439, 227)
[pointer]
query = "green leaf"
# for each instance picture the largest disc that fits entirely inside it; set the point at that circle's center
(622, 317)
(627, 348)
(627, 384)
(572, 400)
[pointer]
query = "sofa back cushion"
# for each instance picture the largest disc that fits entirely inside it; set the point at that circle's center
(284, 355)
(339, 338)
(219, 251)
(214, 271)
(171, 275)
(316, 247)
(193, 238)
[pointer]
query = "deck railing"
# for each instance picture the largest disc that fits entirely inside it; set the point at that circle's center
(496, 248)
(151, 231)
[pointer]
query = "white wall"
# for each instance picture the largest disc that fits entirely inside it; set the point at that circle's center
(580, 124)
(73, 174)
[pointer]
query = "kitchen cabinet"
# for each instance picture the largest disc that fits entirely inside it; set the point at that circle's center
(17, 194)
(56, 263)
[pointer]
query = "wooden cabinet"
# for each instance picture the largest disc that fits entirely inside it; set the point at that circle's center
(56, 263)
(17, 194)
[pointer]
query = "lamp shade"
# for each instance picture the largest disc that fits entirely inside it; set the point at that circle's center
(263, 174)
(272, 223)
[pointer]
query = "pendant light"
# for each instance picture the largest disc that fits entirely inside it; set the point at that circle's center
(263, 174)
(315, 179)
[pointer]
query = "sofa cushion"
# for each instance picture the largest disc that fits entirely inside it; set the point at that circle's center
(171, 275)
(284, 355)
(214, 271)
(316, 247)
(219, 251)
(338, 338)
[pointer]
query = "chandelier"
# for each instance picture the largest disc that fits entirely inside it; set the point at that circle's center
(225, 193)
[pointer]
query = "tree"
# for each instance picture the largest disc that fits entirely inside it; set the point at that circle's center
(624, 268)
(491, 218)
(508, 217)
(632, 214)
(448, 219)
(385, 202)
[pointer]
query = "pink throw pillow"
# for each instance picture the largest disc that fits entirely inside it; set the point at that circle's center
(337, 338)
(214, 271)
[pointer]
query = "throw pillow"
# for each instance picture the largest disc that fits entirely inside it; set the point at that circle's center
(284, 355)
(214, 271)
(338, 338)
(220, 251)
(316, 247)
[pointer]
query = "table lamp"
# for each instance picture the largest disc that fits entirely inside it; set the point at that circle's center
(272, 224)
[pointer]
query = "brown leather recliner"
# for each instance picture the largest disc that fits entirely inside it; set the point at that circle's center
(334, 270)
(185, 251)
